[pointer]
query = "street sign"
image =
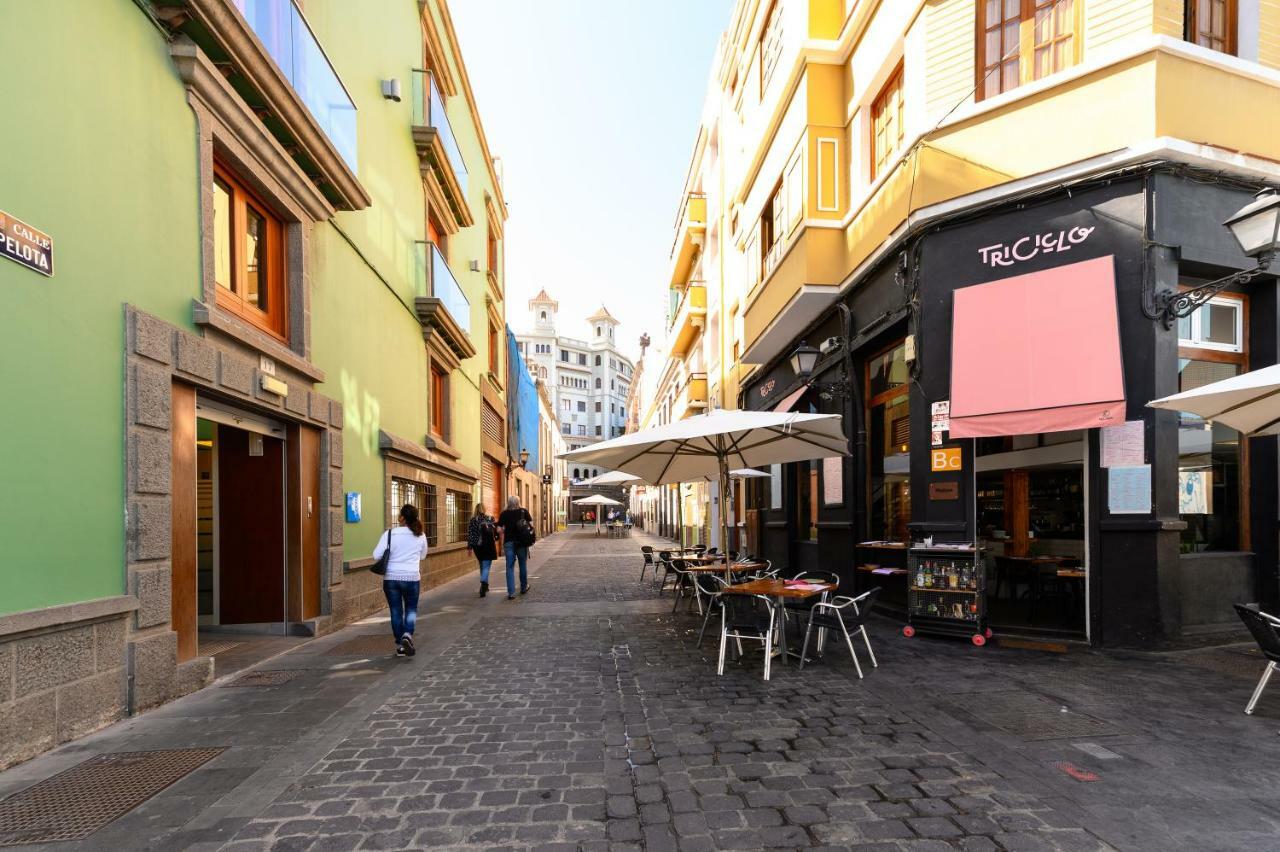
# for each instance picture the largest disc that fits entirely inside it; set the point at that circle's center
(23, 244)
(353, 507)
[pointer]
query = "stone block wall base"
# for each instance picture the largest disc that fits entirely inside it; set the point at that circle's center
(59, 682)
(157, 675)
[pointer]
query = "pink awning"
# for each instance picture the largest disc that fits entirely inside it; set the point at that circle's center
(786, 403)
(1037, 353)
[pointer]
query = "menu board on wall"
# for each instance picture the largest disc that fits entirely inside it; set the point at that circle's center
(1129, 490)
(832, 481)
(775, 486)
(1124, 445)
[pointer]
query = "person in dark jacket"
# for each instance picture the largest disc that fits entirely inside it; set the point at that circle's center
(482, 541)
(517, 535)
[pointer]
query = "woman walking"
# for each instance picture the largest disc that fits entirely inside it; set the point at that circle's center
(402, 582)
(482, 540)
(517, 537)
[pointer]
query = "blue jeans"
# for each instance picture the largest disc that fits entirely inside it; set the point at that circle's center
(402, 598)
(513, 553)
(485, 565)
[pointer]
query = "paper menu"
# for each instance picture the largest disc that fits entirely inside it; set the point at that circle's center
(1124, 445)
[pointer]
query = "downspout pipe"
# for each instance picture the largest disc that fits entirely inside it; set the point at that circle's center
(855, 415)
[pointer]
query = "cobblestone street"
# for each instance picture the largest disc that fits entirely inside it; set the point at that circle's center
(583, 716)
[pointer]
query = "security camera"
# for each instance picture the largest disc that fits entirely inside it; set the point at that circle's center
(829, 345)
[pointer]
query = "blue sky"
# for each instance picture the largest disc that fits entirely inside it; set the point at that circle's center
(593, 107)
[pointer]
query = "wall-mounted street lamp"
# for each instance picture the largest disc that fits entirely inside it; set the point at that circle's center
(804, 359)
(524, 457)
(1256, 227)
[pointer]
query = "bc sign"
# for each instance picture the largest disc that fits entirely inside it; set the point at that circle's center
(353, 507)
(945, 460)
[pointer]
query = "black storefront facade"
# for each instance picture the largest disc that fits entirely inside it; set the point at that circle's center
(1069, 550)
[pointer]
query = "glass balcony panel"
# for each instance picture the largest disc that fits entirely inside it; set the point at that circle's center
(434, 278)
(294, 48)
(428, 111)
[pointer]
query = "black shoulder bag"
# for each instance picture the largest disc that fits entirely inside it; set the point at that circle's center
(380, 567)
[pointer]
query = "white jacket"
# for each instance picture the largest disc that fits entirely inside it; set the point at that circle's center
(407, 552)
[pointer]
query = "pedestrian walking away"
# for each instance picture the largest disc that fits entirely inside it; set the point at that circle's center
(403, 581)
(517, 537)
(482, 541)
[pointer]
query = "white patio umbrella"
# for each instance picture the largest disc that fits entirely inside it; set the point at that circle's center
(613, 477)
(596, 500)
(749, 473)
(709, 445)
(1248, 403)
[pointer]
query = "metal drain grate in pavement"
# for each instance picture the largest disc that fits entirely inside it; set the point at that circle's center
(368, 645)
(74, 804)
(263, 678)
(217, 646)
(1051, 725)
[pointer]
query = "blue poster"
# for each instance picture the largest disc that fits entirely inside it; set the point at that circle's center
(353, 507)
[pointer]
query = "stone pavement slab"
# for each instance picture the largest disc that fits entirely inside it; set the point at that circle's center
(584, 716)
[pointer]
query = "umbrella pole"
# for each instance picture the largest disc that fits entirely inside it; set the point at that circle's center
(724, 517)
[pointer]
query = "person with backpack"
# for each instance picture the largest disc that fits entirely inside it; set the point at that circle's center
(517, 537)
(398, 558)
(482, 541)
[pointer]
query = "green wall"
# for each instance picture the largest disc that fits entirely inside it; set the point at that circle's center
(97, 149)
(364, 335)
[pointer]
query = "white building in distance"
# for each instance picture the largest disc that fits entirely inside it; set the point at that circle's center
(589, 380)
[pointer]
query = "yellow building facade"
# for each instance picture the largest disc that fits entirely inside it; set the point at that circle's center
(841, 140)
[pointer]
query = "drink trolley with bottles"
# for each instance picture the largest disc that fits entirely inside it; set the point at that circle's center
(947, 592)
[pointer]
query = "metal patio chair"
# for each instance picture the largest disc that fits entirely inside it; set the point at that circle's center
(746, 617)
(685, 586)
(800, 607)
(647, 552)
(710, 587)
(664, 562)
(1266, 632)
(849, 616)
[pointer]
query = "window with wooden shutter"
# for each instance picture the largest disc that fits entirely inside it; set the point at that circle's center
(888, 127)
(1024, 40)
(1213, 24)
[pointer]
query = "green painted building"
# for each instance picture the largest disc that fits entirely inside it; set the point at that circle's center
(275, 314)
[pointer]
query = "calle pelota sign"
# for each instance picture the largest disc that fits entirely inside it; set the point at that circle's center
(23, 244)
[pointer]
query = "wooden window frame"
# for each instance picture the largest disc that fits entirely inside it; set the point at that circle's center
(491, 251)
(275, 319)
(1231, 38)
(770, 44)
(1026, 45)
(893, 84)
(494, 364)
(439, 423)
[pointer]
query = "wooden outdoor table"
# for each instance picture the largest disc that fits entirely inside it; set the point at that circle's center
(717, 568)
(1071, 573)
(780, 589)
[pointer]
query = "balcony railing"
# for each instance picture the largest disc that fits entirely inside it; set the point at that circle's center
(428, 111)
(435, 279)
(289, 41)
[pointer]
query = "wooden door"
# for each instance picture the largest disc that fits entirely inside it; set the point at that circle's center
(183, 594)
(304, 523)
(251, 529)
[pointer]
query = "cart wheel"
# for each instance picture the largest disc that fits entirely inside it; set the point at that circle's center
(908, 631)
(987, 633)
(979, 639)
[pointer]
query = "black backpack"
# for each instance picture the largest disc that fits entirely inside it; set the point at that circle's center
(525, 535)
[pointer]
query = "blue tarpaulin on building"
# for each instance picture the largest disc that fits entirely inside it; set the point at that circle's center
(522, 402)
